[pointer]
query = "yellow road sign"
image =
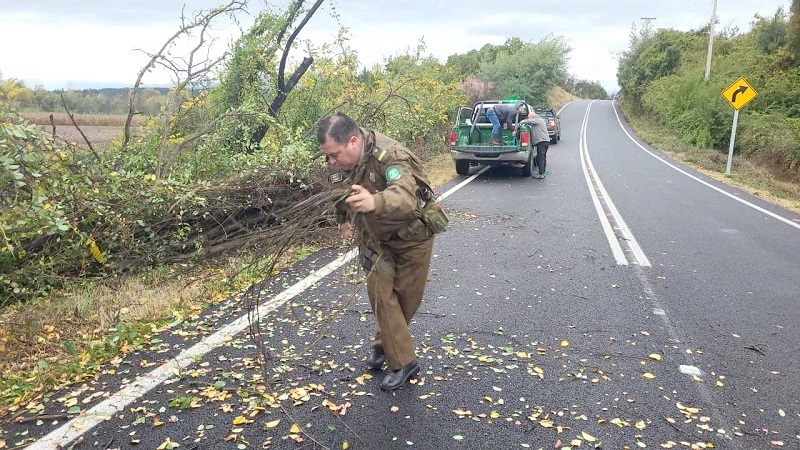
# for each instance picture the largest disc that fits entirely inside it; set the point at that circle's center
(739, 93)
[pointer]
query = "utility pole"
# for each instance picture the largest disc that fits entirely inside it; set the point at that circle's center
(647, 21)
(711, 39)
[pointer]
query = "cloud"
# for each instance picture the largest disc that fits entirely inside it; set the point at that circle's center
(117, 12)
(93, 40)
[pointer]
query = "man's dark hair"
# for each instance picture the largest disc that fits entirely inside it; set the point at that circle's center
(340, 127)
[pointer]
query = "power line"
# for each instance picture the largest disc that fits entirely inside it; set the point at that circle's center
(646, 28)
(648, 19)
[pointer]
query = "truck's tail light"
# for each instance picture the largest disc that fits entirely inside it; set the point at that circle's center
(452, 138)
(524, 138)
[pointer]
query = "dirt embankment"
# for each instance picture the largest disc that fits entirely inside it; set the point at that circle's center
(558, 97)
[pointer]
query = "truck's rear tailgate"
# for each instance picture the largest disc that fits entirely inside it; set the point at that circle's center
(486, 149)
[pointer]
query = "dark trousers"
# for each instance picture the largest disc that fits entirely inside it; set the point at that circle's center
(541, 156)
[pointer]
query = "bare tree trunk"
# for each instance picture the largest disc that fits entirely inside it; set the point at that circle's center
(284, 87)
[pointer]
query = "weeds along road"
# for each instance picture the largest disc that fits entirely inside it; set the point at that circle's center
(625, 301)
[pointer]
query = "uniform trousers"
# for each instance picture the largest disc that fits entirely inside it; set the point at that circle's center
(396, 284)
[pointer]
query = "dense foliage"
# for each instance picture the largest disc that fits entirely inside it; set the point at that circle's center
(662, 77)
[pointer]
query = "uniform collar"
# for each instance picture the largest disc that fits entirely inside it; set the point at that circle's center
(368, 138)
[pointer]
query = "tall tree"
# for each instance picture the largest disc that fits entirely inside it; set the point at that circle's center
(530, 71)
(793, 34)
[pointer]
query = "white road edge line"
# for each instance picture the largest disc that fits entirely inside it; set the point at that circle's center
(462, 184)
(756, 207)
(104, 410)
(616, 248)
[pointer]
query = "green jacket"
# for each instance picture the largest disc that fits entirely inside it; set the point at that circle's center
(394, 176)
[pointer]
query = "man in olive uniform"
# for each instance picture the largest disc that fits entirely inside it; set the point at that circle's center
(540, 139)
(387, 192)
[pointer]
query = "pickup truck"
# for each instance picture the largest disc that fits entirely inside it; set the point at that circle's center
(469, 141)
(553, 122)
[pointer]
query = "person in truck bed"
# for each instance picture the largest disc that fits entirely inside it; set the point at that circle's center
(502, 113)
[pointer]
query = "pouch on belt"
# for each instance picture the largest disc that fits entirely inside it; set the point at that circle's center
(434, 217)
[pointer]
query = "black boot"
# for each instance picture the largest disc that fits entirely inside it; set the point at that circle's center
(396, 379)
(376, 359)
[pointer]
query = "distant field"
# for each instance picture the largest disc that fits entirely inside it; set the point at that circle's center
(96, 120)
(99, 128)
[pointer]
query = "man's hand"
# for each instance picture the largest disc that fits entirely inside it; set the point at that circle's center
(346, 230)
(360, 199)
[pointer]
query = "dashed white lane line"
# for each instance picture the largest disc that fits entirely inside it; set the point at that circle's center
(690, 370)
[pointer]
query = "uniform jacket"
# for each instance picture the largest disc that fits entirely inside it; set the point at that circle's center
(538, 129)
(505, 113)
(394, 176)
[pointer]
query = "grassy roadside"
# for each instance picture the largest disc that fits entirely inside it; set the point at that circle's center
(64, 338)
(753, 177)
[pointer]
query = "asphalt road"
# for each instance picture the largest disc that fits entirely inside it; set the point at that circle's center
(626, 301)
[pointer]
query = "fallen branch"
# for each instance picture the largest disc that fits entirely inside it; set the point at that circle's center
(755, 349)
(72, 118)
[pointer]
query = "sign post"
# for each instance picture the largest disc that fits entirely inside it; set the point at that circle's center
(737, 95)
(733, 139)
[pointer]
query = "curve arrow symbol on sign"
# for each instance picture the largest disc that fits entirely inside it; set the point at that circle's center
(741, 90)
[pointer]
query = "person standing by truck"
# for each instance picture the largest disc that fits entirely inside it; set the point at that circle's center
(540, 139)
(502, 113)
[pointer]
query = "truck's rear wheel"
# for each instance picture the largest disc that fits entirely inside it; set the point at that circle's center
(462, 167)
(527, 169)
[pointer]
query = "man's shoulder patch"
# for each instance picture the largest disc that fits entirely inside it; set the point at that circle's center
(335, 178)
(393, 173)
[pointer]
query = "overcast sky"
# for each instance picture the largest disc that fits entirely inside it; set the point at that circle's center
(69, 43)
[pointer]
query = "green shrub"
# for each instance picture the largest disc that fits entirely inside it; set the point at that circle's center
(770, 137)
